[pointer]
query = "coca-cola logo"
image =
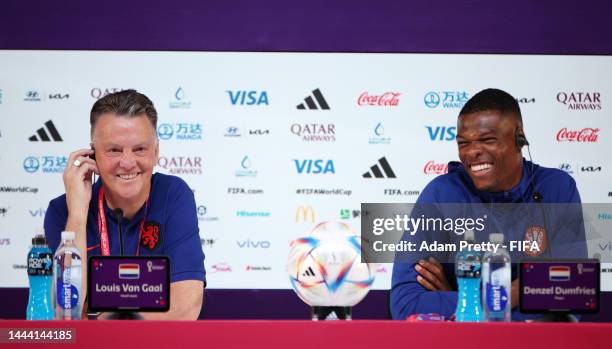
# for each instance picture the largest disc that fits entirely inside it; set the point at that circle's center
(587, 134)
(432, 168)
(387, 99)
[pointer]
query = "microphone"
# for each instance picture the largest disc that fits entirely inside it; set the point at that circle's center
(122, 315)
(119, 215)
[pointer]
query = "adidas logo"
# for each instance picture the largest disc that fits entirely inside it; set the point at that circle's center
(376, 171)
(310, 102)
(44, 136)
(308, 272)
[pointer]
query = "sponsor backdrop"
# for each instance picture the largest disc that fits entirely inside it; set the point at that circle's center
(272, 143)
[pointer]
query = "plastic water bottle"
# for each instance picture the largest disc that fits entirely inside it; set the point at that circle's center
(496, 282)
(40, 275)
(467, 270)
(68, 279)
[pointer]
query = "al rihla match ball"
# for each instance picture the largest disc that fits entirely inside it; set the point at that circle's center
(325, 268)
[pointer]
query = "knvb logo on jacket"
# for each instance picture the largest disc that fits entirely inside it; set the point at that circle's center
(316, 103)
(248, 98)
(245, 169)
(448, 99)
(181, 131)
(586, 135)
(381, 169)
(436, 169)
(378, 136)
(47, 133)
(314, 166)
(33, 96)
(45, 164)
(580, 100)
(98, 92)
(315, 132)
(387, 99)
(305, 213)
(181, 165)
(3, 211)
(180, 100)
(442, 133)
(248, 243)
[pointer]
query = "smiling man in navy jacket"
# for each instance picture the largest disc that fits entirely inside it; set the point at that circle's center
(159, 211)
(492, 170)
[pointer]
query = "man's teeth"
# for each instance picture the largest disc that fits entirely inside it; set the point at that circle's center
(481, 167)
(128, 176)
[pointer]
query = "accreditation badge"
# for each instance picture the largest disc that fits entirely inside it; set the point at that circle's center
(536, 241)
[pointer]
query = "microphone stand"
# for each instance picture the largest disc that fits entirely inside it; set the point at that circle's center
(122, 315)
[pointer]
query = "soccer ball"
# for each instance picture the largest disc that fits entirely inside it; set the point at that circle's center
(325, 268)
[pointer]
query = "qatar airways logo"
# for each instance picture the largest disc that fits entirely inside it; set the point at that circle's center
(431, 168)
(387, 99)
(580, 100)
(586, 135)
(181, 165)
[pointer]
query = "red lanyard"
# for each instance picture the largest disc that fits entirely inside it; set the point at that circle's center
(104, 245)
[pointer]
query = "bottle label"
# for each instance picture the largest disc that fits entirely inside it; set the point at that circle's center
(67, 295)
(40, 263)
(469, 266)
(497, 297)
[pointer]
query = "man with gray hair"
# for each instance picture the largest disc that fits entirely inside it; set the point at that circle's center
(159, 211)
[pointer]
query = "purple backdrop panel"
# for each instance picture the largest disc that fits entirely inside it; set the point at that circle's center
(476, 26)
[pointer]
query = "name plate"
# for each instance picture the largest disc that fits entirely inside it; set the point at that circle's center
(117, 283)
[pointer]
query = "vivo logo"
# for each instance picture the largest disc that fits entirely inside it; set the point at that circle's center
(442, 133)
(248, 97)
(314, 166)
(248, 243)
(38, 213)
(605, 247)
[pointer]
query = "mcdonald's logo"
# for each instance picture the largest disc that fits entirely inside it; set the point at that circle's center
(303, 212)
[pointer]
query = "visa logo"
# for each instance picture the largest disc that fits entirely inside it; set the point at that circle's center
(248, 243)
(314, 166)
(248, 97)
(442, 133)
(38, 213)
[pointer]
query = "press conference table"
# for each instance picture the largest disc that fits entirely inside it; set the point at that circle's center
(323, 334)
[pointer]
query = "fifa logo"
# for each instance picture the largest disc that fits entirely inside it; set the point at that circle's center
(303, 212)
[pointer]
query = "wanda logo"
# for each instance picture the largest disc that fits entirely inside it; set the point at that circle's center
(387, 99)
(432, 168)
(587, 134)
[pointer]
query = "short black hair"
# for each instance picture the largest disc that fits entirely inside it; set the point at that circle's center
(493, 99)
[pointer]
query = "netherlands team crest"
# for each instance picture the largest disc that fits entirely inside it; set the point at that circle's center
(151, 235)
(538, 235)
